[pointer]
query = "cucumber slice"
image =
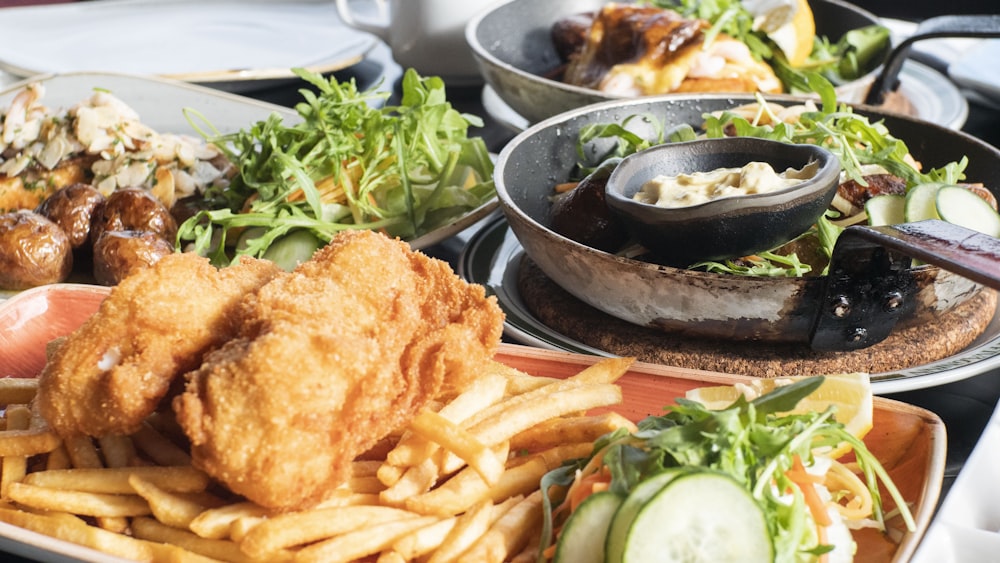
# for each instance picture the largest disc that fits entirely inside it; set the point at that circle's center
(582, 537)
(920, 202)
(705, 516)
(614, 546)
(960, 206)
(292, 249)
(886, 209)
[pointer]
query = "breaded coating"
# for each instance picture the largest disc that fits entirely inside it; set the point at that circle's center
(156, 325)
(333, 357)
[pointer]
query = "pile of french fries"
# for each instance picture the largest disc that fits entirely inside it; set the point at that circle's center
(459, 483)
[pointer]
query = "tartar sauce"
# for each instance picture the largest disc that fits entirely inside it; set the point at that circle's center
(699, 187)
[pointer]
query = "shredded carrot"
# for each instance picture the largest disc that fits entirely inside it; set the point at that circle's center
(565, 187)
(806, 482)
(589, 484)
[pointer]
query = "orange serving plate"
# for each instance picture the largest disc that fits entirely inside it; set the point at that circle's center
(909, 441)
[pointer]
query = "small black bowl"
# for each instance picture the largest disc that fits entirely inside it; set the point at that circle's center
(727, 227)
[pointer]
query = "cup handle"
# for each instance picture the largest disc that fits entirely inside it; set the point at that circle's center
(379, 28)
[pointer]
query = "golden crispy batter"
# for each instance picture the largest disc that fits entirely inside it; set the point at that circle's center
(31, 189)
(332, 358)
(157, 324)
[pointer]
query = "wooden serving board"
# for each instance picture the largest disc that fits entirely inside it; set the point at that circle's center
(909, 441)
(905, 348)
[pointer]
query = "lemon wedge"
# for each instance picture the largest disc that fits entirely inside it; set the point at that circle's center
(789, 23)
(851, 393)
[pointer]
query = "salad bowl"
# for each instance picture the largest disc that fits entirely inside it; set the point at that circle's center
(699, 303)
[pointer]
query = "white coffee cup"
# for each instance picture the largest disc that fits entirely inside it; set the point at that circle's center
(427, 35)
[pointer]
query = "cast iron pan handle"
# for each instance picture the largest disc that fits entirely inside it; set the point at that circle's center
(985, 25)
(870, 287)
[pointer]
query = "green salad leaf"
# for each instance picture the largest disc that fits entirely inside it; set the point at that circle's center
(348, 164)
(856, 140)
(839, 60)
(755, 442)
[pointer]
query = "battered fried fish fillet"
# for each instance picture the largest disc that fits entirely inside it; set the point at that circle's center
(334, 356)
(154, 326)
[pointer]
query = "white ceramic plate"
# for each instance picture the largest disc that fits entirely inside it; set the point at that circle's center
(967, 525)
(934, 98)
(231, 44)
(160, 103)
(493, 255)
(978, 70)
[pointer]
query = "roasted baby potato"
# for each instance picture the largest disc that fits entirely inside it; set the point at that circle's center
(33, 251)
(119, 253)
(72, 208)
(133, 209)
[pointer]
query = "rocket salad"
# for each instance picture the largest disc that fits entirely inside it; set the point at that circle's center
(863, 147)
(747, 481)
(404, 170)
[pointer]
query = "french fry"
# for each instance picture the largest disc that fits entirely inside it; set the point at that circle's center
(158, 447)
(58, 459)
(361, 542)
(520, 416)
(525, 478)
(223, 550)
(509, 534)
(441, 489)
(79, 533)
(415, 480)
(14, 467)
(82, 452)
(436, 428)
(468, 528)
(423, 540)
(568, 430)
(215, 523)
(118, 451)
(517, 415)
(170, 509)
(77, 502)
(32, 441)
(116, 480)
(390, 557)
(458, 493)
(242, 526)
(297, 528)
(484, 392)
(17, 390)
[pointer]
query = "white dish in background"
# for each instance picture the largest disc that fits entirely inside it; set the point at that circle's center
(967, 524)
(934, 98)
(978, 70)
(231, 44)
(161, 102)
(492, 258)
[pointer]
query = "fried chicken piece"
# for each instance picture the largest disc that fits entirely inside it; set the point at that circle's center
(156, 325)
(334, 356)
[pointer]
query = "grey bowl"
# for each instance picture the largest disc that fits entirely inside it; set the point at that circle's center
(728, 227)
(686, 301)
(511, 43)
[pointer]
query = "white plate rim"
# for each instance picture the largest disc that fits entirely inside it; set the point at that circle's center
(233, 77)
(521, 325)
(158, 94)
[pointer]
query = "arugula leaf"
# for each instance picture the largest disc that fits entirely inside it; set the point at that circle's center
(754, 442)
(854, 138)
(846, 58)
(348, 164)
